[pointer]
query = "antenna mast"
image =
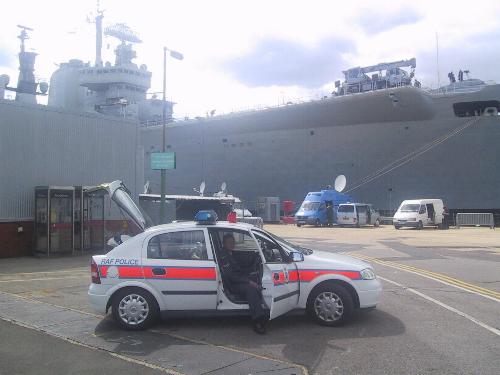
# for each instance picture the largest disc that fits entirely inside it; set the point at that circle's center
(97, 19)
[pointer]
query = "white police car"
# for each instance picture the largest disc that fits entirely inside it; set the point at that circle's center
(172, 269)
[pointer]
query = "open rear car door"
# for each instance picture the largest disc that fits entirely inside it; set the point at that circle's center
(121, 196)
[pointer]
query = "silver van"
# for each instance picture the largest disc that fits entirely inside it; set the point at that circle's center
(357, 214)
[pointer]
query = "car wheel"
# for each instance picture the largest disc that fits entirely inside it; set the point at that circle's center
(134, 308)
(317, 223)
(330, 305)
(397, 226)
(299, 225)
(377, 223)
(420, 225)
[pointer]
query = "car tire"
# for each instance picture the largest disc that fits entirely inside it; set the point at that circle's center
(134, 309)
(299, 225)
(317, 223)
(420, 225)
(330, 305)
(377, 223)
(397, 226)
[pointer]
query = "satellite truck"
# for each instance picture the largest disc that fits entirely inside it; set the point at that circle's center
(313, 210)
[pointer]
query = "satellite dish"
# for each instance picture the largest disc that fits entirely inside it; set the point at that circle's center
(223, 186)
(340, 183)
(202, 187)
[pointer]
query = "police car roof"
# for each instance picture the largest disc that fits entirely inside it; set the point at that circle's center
(194, 224)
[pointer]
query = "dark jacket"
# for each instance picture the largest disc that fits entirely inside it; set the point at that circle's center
(231, 269)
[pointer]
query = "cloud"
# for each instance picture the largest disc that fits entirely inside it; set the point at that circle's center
(6, 58)
(380, 21)
(288, 63)
(475, 53)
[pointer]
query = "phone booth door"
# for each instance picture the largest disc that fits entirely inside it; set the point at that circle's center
(61, 221)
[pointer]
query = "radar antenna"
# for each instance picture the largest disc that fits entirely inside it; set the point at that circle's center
(24, 35)
(122, 32)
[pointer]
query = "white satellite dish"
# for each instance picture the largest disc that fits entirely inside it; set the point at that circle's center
(223, 186)
(202, 188)
(340, 183)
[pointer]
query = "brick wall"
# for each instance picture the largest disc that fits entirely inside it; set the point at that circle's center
(14, 243)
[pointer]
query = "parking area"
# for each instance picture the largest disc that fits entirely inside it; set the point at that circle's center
(439, 313)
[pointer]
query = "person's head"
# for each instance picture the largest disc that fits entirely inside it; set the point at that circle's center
(228, 242)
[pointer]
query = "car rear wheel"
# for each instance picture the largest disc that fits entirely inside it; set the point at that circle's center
(330, 305)
(134, 309)
(420, 225)
(377, 223)
(397, 226)
(299, 225)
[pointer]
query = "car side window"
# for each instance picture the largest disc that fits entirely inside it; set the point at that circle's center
(183, 245)
(423, 210)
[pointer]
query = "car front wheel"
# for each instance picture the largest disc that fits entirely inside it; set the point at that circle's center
(134, 309)
(330, 305)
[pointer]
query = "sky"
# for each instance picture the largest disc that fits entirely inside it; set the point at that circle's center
(251, 54)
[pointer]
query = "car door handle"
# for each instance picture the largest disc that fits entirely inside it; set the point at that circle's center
(159, 271)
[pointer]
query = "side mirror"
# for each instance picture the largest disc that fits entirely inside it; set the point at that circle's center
(297, 257)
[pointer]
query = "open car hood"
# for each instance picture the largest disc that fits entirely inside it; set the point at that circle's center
(119, 193)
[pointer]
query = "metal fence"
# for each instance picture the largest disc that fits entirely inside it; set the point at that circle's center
(475, 219)
(256, 221)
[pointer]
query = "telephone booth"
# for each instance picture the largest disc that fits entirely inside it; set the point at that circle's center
(54, 220)
(93, 227)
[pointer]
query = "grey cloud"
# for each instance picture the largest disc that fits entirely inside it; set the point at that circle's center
(6, 58)
(379, 21)
(286, 63)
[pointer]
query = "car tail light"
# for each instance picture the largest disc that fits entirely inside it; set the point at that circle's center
(94, 272)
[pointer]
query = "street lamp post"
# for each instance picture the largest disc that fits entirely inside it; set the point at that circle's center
(178, 56)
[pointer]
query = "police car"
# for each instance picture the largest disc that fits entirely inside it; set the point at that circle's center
(173, 269)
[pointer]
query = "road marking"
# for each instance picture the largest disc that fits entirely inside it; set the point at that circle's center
(255, 355)
(78, 343)
(236, 350)
(73, 270)
(444, 305)
(447, 280)
(40, 279)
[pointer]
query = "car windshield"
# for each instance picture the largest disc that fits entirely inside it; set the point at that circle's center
(410, 208)
(310, 206)
(290, 245)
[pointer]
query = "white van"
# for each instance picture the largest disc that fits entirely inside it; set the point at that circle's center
(357, 214)
(418, 213)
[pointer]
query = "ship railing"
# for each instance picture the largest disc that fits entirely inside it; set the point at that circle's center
(475, 219)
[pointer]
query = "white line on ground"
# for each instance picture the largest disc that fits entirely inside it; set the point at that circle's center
(444, 305)
(41, 279)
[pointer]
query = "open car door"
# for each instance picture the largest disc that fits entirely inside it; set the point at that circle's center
(119, 194)
(280, 277)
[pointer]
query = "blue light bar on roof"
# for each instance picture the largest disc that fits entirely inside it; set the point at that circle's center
(206, 217)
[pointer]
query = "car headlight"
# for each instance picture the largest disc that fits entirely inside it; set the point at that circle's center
(368, 274)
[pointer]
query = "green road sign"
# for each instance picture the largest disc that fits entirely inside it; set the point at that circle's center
(163, 160)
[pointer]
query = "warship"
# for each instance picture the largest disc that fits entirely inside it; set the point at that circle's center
(390, 137)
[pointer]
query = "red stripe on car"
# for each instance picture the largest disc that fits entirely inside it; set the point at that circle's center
(309, 275)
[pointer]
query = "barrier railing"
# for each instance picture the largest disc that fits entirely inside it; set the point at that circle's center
(475, 219)
(256, 221)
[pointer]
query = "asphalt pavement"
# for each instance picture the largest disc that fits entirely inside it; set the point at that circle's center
(439, 314)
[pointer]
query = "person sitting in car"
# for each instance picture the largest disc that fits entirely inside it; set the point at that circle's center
(243, 283)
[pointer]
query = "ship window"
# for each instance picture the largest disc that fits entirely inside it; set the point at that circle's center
(469, 109)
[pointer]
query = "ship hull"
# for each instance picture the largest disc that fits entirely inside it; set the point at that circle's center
(290, 151)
